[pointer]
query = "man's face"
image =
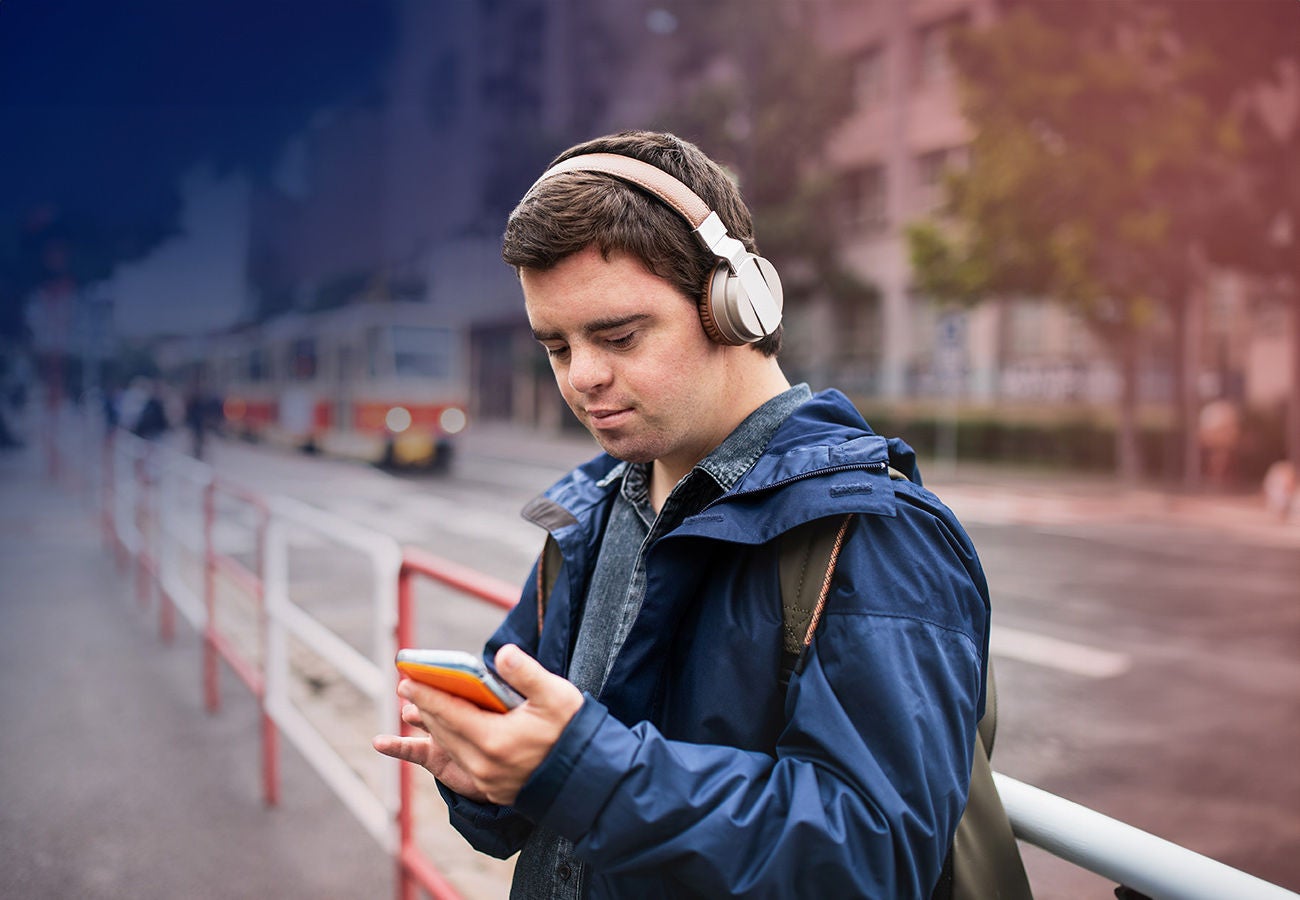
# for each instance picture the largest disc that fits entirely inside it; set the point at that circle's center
(631, 358)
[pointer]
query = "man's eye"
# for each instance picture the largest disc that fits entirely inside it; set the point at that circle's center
(556, 352)
(623, 341)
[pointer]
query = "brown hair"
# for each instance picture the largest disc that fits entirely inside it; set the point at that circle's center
(569, 212)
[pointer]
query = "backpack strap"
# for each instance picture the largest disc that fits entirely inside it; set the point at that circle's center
(808, 554)
(548, 571)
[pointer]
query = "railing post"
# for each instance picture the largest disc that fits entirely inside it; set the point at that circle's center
(275, 657)
(211, 672)
(164, 557)
(142, 586)
(270, 734)
(403, 634)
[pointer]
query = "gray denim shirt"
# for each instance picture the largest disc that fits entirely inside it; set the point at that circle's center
(547, 868)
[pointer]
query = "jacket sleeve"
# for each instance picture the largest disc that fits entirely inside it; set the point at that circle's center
(868, 778)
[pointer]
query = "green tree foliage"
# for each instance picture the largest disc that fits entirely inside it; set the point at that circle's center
(1251, 73)
(1095, 174)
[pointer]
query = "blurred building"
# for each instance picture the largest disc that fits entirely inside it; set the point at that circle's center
(890, 154)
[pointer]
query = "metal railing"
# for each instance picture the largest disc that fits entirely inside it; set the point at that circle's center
(1119, 852)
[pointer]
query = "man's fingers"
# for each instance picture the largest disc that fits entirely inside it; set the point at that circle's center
(413, 750)
(548, 695)
(523, 673)
(411, 716)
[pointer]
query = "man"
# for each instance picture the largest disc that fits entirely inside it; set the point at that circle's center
(658, 753)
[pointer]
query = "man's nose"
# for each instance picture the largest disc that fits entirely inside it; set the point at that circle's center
(588, 370)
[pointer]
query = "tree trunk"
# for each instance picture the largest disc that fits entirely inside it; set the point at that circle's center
(1128, 456)
(1190, 333)
(1182, 447)
(1293, 401)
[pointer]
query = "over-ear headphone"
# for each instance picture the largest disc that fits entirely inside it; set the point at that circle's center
(742, 299)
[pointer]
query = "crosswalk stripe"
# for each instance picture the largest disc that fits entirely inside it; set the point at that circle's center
(1055, 653)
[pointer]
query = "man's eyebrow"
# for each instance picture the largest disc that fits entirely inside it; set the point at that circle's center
(595, 326)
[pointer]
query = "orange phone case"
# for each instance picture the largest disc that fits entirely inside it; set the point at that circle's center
(453, 681)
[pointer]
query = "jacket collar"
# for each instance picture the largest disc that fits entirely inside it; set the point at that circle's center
(823, 460)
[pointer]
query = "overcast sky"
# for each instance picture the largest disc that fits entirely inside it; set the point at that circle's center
(135, 117)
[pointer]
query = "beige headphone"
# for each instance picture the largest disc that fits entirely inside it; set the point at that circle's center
(742, 300)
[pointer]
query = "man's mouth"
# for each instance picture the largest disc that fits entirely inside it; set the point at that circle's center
(608, 417)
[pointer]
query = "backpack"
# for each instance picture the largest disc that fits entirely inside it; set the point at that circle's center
(983, 862)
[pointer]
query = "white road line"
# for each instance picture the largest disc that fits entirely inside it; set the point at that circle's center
(1054, 653)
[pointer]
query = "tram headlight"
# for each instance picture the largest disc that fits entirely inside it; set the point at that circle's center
(398, 419)
(452, 420)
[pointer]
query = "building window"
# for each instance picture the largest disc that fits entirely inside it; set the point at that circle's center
(302, 360)
(933, 61)
(929, 170)
(864, 199)
(870, 85)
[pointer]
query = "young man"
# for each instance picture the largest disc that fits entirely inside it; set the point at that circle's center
(658, 753)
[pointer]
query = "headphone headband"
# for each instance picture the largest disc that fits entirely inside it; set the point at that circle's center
(652, 178)
(756, 288)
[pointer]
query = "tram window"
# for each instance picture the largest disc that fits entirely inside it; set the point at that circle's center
(302, 360)
(422, 352)
(257, 366)
(372, 352)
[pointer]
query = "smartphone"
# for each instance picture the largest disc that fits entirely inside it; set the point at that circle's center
(459, 673)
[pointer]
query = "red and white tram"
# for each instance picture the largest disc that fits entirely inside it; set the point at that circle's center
(385, 382)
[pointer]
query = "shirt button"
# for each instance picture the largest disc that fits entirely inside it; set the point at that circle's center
(565, 871)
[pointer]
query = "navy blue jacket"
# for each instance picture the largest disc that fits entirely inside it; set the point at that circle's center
(694, 773)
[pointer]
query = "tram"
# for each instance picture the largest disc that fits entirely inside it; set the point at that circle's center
(383, 382)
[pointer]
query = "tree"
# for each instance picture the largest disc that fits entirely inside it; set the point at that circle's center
(1251, 73)
(1095, 174)
(760, 96)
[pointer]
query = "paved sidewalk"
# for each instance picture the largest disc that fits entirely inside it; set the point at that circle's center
(115, 781)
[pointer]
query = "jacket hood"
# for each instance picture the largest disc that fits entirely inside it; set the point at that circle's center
(823, 460)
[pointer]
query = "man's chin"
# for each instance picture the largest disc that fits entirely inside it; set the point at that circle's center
(623, 447)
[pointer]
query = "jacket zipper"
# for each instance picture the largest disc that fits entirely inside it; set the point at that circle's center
(878, 467)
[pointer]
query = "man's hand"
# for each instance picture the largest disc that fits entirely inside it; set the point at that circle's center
(485, 756)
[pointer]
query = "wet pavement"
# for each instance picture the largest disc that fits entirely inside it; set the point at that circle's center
(115, 781)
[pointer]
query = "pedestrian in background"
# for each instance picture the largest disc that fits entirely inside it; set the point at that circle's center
(198, 411)
(659, 752)
(146, 410)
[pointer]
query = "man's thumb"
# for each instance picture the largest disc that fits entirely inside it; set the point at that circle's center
(523, 673)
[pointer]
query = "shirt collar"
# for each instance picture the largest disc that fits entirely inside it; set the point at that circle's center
(734, 456)
(729, 460)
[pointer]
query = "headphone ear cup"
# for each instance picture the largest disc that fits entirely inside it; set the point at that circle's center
(728, 313)
(715, 292)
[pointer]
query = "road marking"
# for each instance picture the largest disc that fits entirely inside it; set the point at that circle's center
(1054, 653)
